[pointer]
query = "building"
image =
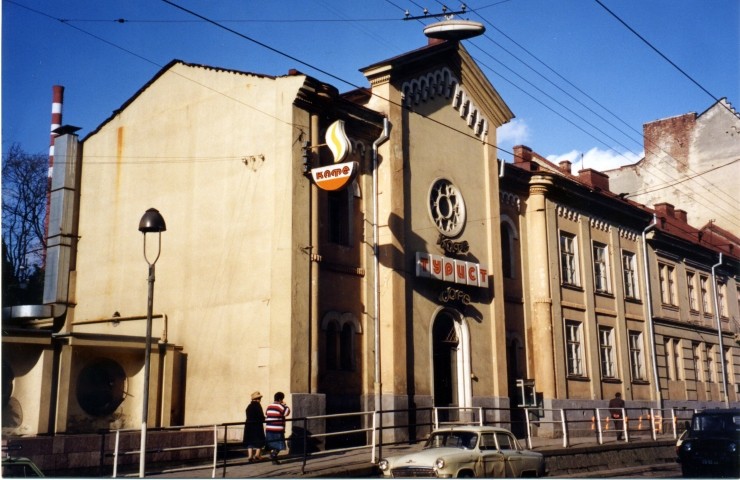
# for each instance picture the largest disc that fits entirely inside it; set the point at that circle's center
(420, 271)
(690, 161)
(607, 295)
(264, 281)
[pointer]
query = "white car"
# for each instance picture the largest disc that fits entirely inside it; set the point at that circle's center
(467, 451)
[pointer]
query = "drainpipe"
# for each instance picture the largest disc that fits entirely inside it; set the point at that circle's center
(719, 330)
(376, 281)
(649, 299)
(313, 325)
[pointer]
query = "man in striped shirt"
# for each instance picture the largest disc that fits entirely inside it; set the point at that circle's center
(275, 414)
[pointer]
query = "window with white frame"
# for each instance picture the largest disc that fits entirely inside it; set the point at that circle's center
(601, 268)
(606, 347)
(696, 348)
(729, 371)
(667, 283)
(693, 297)
(711, 364)
(721, 296)
(629, 269)
(568, 258)
(574, 344)
(637, 362)
(673, 358)
(706, 301)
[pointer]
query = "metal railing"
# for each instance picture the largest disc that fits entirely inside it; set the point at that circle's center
(310, 436)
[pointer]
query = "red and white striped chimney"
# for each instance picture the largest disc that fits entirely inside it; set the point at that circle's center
(57, 99)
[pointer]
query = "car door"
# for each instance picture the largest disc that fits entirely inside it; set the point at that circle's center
(492, 464)
(513, 459)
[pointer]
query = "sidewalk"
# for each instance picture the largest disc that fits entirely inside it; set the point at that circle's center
(358, 463)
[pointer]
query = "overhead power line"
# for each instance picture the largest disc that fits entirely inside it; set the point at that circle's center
(692, 79)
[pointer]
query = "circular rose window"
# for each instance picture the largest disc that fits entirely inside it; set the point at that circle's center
(446, 207)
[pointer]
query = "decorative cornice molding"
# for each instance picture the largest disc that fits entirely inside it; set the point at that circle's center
(508, 198)
(629, 234)
(600, 224)
(442, 82)
(568, 213)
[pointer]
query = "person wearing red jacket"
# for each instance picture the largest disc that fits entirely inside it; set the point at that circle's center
(275, 414)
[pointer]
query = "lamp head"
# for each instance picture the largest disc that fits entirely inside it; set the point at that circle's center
(152, 222)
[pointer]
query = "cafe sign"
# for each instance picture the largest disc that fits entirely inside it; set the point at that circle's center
(340, 174)
(451, 270)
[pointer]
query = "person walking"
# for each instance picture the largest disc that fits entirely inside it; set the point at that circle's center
(254, 430)
(616, 406)
(275, 425)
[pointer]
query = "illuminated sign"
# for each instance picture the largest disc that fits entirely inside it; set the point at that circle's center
(451, 270)
(337, 141)
(335, 177)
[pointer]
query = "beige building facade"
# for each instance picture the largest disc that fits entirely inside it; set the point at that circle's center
(437, 277)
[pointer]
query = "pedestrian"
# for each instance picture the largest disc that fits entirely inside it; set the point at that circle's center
(616, 406)
(275, 425)
(254, 429)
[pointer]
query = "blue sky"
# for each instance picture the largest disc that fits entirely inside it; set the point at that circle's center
(579, 82)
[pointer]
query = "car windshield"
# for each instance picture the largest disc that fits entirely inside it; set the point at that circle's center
(716, 423)
(464, 440)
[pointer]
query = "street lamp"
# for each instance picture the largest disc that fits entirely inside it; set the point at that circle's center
(151, 222)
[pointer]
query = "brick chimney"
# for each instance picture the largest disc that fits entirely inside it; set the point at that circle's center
(594, 178)
(522, 154)
(681, 215)
(665, 210)
(565, 166)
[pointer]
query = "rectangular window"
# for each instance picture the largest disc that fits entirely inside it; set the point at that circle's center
(575, 348)
(693, 297)
(606, 347)
(673, 358)
(711, 365)
(629, 268)
(706, 303)
(340, 216)
(721, 295)
(667, 284)
(601, 268)
(637, 363)
(568, 259)
(696, 347)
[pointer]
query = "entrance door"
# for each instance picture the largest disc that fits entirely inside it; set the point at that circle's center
(451, 364)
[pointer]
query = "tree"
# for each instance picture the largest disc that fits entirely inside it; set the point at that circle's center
(24, 193)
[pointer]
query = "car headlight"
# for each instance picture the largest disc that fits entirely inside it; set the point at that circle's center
(732, 447)
(686, 446)
(383, 465)
(439, 463)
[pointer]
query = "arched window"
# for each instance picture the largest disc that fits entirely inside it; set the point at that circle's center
(346, 348)
(332, 345)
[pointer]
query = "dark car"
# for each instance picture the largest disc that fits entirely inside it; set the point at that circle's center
(710, 446)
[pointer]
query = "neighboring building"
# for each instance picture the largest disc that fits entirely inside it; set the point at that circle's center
(583, 319)
(691, 161)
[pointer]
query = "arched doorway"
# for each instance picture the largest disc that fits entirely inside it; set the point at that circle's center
(450, 363)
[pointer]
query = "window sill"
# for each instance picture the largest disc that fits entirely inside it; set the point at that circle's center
(640, 382)
(571, 286)
(611, 380)
(578, 378)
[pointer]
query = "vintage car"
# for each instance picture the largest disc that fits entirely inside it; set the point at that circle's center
(18, 467)
(467, 451)
(710, 446)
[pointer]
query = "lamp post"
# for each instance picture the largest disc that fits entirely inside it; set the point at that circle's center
(151, 222)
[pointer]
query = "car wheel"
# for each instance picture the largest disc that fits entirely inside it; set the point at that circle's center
(687, 472)
(465, 474)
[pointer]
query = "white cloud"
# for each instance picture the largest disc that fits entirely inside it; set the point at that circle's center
(516, 132)
(597, 159)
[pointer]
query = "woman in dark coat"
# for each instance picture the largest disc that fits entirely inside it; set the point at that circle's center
(254, 429)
